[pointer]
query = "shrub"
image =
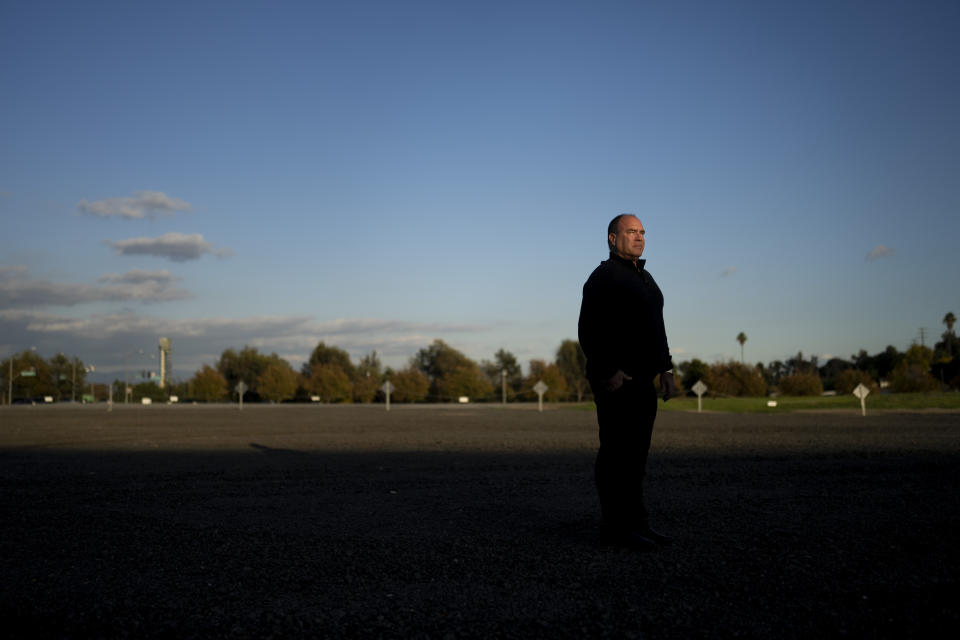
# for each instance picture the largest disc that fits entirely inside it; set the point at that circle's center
(847, 381)
(409, 385)
(912, 377)
(209, 384)
(735, 379)
(913, 372)
(331, 383)
(801, 384)
(551, 375)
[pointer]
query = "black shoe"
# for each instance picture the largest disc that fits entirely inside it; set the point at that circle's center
(629, 539)
(655, 536)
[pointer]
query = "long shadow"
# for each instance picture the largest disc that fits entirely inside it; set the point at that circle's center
(399, 543)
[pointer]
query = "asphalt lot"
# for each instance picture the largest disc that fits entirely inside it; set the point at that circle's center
(470, 521)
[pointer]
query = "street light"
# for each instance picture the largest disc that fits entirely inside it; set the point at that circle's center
(26, 373)
(127, 391)
(91, 369)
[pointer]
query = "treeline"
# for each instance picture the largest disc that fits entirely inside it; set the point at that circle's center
(918, 369)
(441, 373)
(436, 373)
(27, 375)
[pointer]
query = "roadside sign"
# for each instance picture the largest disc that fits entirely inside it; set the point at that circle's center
(862, 392)
(241, 388)
(699, 388)
(387, 389)
(541, 389)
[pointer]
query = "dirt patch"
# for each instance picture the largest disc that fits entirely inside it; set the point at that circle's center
(350, 521)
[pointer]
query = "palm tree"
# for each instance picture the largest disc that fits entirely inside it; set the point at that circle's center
(741, 338)
(948, 320)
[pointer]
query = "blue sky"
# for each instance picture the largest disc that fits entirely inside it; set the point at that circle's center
(380, 174)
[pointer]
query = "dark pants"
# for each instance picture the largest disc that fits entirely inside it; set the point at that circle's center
(626, 420)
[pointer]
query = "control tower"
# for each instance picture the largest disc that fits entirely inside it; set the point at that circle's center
(164, 360)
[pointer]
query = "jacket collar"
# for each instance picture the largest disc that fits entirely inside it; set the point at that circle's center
(637, 265)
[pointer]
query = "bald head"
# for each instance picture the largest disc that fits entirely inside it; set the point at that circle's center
(625, 236)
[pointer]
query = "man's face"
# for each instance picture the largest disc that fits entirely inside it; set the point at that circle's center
(628, 241)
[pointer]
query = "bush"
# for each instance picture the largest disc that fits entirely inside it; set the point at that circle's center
(735, 379)
(912, 377)
(913, 372)
(331, 383)
(693, 371)
(847, 381)
(409, 385)
(801, 384)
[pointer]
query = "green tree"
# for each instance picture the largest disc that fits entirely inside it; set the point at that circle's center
(741, 338)
(913, 372)
(368, 378)
(440, 361)
(246, 366)
(572, 363)
(63, 371)
(551, 376)
(945, 350)
(804, 383)
(735, 379)
(692, 371)
(503, 360)
(323, 354)
(880, 365)
(208, 384)
(331, 383)
(278, 382)
(31, 376)
(150, 390)
(833, 368)
(409, 385)
(846, 381)
(465, 380)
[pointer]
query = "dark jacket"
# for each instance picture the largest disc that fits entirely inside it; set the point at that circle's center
(621, 322)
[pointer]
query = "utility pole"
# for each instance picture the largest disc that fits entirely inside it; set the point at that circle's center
(503, 386)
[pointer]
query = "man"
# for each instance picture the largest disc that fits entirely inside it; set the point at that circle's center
(622, 334)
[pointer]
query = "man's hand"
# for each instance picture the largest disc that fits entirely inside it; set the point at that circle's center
(617, 381)
(667, 386)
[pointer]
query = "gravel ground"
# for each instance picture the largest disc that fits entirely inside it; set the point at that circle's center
(470, 522)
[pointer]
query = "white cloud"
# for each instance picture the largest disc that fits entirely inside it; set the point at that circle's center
(178, 247)
(880, 251)
(138, 276)
(18, 290)
(143, 204)
(729, 271)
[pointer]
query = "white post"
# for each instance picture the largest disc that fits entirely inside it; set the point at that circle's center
(541, 389)
(699, 388)
(862, 392)
(240, 389)
(387, 389)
